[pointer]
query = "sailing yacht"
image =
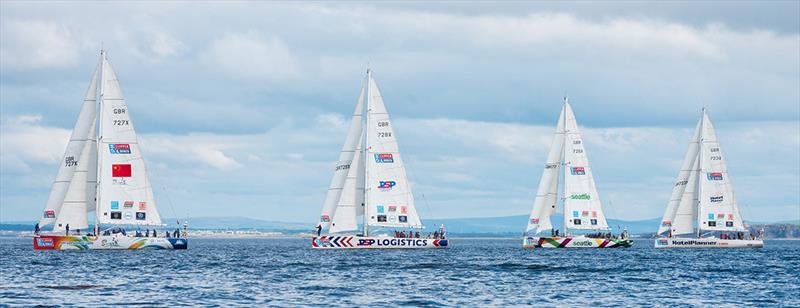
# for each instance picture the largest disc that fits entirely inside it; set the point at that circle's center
(702, 204)
(582, 208)
(103, 172)
(370, 181)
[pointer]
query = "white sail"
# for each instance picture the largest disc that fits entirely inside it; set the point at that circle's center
(344, 163)
(76, 201)
(718, 210)
(547, 194)
(688, 168)
(685, 215)
(72, 156)
(389, 201)
(582, 207)
(125, 194)
(352, 198)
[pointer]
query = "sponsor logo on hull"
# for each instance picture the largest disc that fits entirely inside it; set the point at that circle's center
(355, 242)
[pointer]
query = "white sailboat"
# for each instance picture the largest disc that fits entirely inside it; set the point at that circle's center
(582, 208)
(102, 172)
(370, 182)
(702, 204)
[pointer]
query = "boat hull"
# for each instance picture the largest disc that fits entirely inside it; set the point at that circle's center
(359, 242)
(685, 242)
(574, 242)
(105, 242)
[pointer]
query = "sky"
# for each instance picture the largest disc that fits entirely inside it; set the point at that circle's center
(242, 107)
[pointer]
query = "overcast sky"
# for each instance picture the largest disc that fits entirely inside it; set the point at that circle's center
(241, 108)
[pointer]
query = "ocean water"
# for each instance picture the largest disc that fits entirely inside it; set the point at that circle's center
(286, 272)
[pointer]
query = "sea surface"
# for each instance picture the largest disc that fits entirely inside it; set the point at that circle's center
(473, 272)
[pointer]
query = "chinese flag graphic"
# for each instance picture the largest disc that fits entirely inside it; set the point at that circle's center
(121, 170)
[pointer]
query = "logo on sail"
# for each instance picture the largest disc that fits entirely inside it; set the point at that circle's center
(386, 185)
(140, 215)
(384, 158)
(49, 214)
(666, 223)
(577, 170)
(115, 205)
(716, 199)
(325, 218)
(580, 197)
(142, 206)
(714, 176)
(119, 148)
(119, 172)
(116, 215)
(128, 204)
(402, 218)
(534, 220)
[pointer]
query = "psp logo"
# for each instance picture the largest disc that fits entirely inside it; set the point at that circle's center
(366, 242)
(386, 185)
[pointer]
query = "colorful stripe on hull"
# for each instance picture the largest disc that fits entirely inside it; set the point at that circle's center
(358, 242)
(77, 242)
(574, 242)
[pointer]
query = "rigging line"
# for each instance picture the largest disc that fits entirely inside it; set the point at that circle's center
(166, 194)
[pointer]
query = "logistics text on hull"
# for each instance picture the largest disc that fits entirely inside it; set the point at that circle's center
(575, 242)
(678, 242)
(358, 242)
(78, 242)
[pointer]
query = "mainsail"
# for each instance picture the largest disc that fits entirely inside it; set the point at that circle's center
(370, 178)
(125, 193)
(390, 202)
(582, 207)
(718, 210)
(62, 186)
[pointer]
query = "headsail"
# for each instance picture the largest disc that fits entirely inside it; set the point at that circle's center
(126, 196)
(344, 164)
(390, 202)
(683, 193)
(582, 207)
(547, 194)
(718, 210)
(72, 157)
(76, 201)
(352, 197)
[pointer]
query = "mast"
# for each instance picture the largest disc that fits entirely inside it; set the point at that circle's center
(99, 136)
(364, 148)
(563, 165)
(699, 186)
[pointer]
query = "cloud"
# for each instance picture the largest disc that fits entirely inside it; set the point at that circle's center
(24, 141)
(248, 56)
(37, 44)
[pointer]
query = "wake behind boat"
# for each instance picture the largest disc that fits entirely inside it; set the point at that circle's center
(582, 207)
(702, 201)
(103, 171)
(370, 181)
